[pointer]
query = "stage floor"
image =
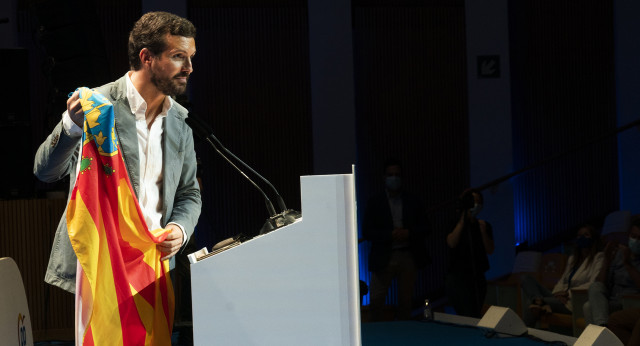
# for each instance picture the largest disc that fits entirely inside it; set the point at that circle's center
(411, 333)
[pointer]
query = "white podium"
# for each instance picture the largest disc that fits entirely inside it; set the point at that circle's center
(297, 285)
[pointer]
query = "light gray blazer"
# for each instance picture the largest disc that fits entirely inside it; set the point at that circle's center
(57, 157)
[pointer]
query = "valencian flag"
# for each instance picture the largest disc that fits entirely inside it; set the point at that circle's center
(124, 292)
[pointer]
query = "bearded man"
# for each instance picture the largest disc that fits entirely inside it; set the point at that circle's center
(156, 143)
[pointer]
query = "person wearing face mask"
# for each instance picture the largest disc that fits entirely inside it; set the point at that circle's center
(580, 272)
(620, 275)
(396, 225)
(470, 241)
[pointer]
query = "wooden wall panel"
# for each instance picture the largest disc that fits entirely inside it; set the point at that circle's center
(28, 229)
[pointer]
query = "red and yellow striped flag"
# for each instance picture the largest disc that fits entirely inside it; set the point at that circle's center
(125, 293)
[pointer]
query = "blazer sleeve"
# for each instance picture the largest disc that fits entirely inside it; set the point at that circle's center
(57, 155)
(187, 201)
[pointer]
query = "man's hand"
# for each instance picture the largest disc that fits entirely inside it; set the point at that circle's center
(74, 108)
(170, 246)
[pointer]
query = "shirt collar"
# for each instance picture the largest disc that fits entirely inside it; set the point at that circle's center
(139, 105)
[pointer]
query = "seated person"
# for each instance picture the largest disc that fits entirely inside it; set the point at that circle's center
(582, 268)
(619, 275)
(625, 324)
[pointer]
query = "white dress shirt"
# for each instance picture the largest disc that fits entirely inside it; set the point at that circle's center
(150, 153)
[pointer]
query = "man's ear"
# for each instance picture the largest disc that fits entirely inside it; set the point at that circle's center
(145, 57)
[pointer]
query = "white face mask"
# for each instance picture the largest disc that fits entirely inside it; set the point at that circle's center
(634, 246)
(394, 183)
(477, 208)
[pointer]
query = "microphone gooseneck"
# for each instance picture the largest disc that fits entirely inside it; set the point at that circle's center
(275, 220)
(209, 134)
(202, 134)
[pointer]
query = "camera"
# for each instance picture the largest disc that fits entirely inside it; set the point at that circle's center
(466, 201)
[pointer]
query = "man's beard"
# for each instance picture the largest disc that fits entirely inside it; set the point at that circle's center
(169, 86)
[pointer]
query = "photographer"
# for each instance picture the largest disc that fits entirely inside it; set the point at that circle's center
(470, 242)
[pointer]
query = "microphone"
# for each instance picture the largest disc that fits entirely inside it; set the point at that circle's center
(202, 134)
(275, 220)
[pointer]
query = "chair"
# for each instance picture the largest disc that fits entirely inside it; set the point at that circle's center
(575, 322)
(14, 310)
(616, 227)
(547, 268)
(552, 267)
(505, 291)
(617, 221)
(550, 274)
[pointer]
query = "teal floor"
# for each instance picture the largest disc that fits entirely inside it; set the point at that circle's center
(412, 333)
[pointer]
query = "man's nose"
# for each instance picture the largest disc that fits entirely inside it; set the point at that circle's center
(188, 66)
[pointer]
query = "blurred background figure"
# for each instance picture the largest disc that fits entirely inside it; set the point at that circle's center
(396, 225)
(582, 268)
(620, 275)
(470, 241)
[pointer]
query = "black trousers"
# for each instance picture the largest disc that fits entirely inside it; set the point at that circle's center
(466, 293)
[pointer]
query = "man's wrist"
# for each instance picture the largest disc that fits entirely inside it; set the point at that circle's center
(70, 128)
(184, 233)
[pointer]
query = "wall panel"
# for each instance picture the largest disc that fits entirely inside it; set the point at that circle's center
(411, 103)
(563, 96)
(251, 84)
(28, 229)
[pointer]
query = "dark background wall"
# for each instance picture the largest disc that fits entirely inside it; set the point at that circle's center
(252, 86)
(563, 95)
(410, 69)
(411, 104)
